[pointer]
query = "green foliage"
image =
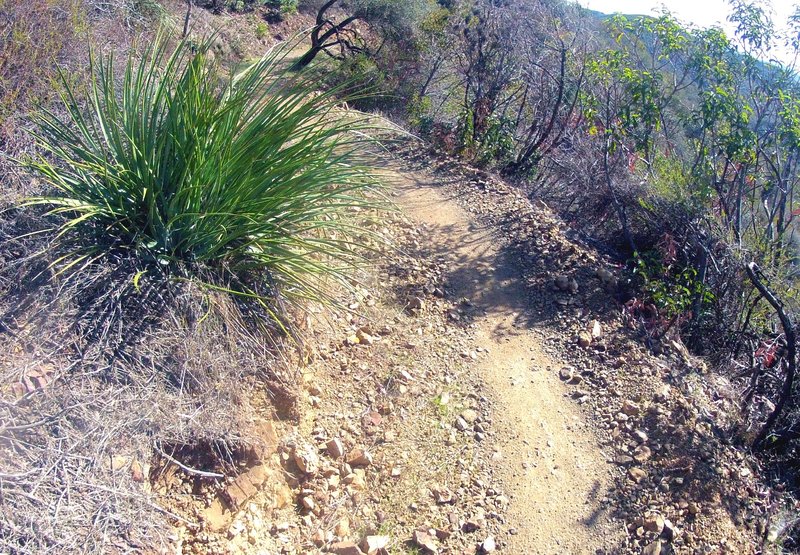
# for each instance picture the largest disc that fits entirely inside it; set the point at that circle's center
(145, 11)
(497, 142)
(672, 289)
(286, 7)
(364, 70)
(789, 130)
(670, 181)
(262, 29)
(494, 144)
(435, 23)
(392, 16)
(664, 35)
(249, 179)
(418, 113)
(278, 8)
(632, 96)
(466, 132)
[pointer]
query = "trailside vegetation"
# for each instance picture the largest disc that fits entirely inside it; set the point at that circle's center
(674, 149)
(244, 183)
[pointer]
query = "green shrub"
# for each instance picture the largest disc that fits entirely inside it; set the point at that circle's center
(249, 180)
(671, 287)
(275, 8)
(262, 29)
(418, 113)
(286, 7)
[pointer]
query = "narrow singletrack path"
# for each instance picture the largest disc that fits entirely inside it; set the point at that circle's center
(547, 457)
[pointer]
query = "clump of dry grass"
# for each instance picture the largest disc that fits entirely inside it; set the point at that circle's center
(106, 380)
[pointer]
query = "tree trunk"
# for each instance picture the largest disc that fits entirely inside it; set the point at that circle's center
(785, 399)
(307, 58)
(615, 202)
(702, 247)
(187, 18)
(319, 43)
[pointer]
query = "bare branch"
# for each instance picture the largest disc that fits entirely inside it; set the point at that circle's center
(756, 277)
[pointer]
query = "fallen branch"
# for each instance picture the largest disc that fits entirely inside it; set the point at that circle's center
(755, 275)
(189, 469)
(187, 18)
(15, 477)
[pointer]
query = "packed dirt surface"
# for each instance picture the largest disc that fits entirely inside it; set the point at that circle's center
(550, 463)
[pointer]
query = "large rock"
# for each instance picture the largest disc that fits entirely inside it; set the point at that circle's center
(306, 459)
(442, 495)
(604, 275)
(469, 416)
(489, 545)
(424, 540)
(637, 474)
(596, 330)
(653, 522)
(359, 457)
(669, 532)
(335, 448)
(642, 453)
(630, 408)
(372, 545)
(570, 375)
(356, 480)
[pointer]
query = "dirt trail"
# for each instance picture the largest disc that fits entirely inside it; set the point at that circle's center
(548, 461)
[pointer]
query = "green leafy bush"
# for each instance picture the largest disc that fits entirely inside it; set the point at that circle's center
(418, 113)
(672, 289)
(275, 8)
(262, 29)
(244, 183)
(285, 6)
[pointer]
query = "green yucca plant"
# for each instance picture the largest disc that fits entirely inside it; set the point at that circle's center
(252, 177)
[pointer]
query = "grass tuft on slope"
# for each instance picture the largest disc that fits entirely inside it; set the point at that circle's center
(247, 183)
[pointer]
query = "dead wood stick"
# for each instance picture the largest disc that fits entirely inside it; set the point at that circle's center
(189, 469)
(755, 275)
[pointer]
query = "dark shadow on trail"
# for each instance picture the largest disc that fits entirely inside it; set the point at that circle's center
(491, 273)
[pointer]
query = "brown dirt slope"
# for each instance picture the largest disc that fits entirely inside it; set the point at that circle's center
(482, 392)
(678, 485)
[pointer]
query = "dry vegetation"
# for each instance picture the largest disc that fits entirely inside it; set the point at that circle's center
(126, 394)
(116, 371)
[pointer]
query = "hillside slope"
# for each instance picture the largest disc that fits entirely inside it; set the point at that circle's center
(467, 403)
(482, 388)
